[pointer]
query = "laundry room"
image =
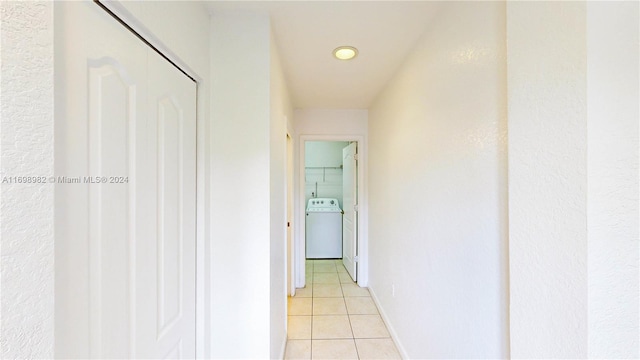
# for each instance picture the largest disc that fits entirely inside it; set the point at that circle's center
(331, 198)
(323, 169)
(324, 199)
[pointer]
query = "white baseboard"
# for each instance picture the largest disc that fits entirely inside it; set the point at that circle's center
(392, 331)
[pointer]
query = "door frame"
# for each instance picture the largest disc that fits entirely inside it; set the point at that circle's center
(290, 206)
(137, 27)
(362, 238)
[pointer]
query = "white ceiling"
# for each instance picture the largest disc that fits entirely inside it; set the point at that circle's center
(306, 33)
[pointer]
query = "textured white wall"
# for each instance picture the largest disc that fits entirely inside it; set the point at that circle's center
(438, 199)
(26, 149)
(547, 178)
(612, 178)
(573, 179)
(241, 169)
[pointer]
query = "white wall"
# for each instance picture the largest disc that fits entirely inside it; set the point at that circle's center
(573, 179)
(26, 149)
(323, 172)
(250, 113)
(612, 180)
(281, 113)
(241, 169)
(438, 199)
(324, 153)
(547, 182)
(329, 122)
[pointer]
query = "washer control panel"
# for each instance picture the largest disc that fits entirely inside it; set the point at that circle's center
(323, 204)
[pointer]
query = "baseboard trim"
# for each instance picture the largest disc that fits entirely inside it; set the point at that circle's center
(392, 331)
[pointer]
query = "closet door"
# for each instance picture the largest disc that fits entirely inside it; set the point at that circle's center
(166, 216)
(125, 193)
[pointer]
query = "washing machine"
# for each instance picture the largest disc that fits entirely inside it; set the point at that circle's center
(323, 229)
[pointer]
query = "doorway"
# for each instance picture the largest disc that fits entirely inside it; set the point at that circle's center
(321, 165)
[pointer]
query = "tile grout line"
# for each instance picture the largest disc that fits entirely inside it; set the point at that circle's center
(350, 325)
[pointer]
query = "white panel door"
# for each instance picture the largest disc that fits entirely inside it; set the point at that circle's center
(166, 211)
(125, 194)
(349, 204)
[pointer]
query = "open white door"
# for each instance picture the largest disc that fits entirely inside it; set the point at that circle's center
(125, 193)
(350, 206)
(291, 283)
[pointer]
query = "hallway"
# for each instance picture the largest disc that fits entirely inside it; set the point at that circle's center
(334, 318)
(498, 148)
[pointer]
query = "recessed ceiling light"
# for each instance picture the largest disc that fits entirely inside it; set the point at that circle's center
(345, 52)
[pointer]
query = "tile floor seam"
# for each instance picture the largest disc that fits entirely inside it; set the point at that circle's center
(354, 337)
(355, 345)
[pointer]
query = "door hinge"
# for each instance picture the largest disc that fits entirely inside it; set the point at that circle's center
(355, 156)
(288, 224)
(355, 207)
(356, 258)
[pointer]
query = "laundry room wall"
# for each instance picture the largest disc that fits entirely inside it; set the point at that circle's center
(323, 169)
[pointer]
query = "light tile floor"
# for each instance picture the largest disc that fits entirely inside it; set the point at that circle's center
(334, 318)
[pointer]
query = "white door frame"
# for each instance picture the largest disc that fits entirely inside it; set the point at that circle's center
(202, 261)
(290, 204)
(363, 254)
